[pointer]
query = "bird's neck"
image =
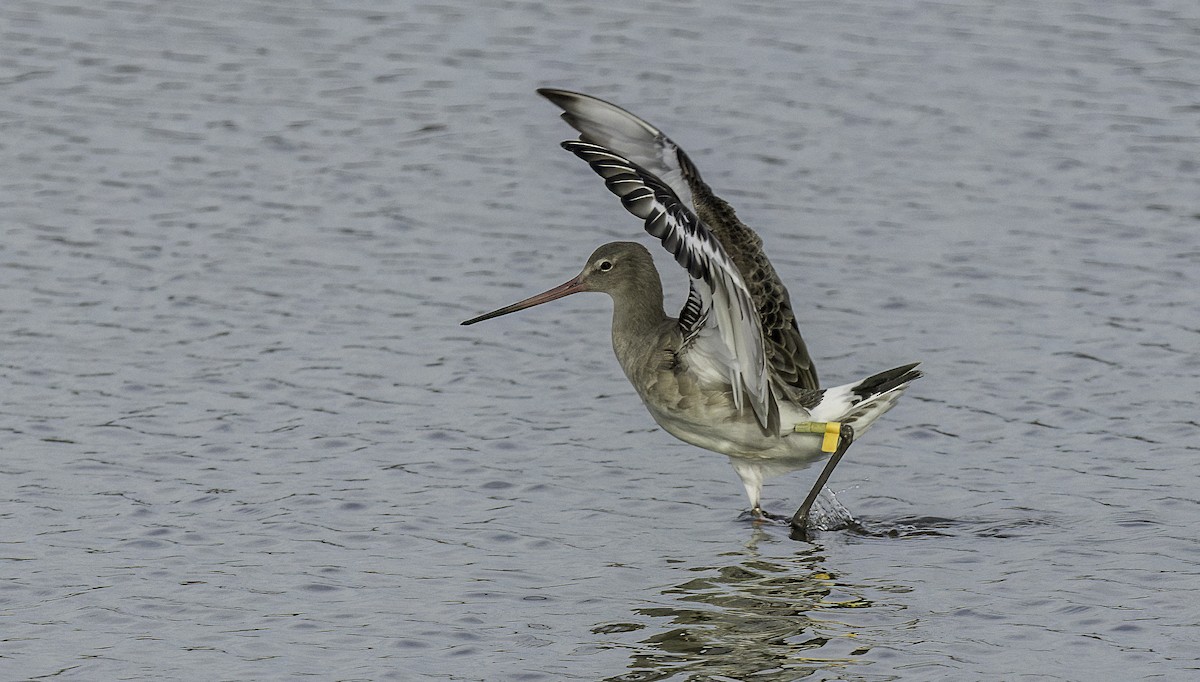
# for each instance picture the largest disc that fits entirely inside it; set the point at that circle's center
(638, 321)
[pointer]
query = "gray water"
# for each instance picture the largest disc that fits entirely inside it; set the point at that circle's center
(243, 438)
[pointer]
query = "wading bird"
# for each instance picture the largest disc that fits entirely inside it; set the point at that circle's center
(732, 373)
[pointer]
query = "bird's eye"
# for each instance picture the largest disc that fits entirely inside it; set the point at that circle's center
(604, 266)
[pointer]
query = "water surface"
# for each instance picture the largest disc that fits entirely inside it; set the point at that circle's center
(243, 436)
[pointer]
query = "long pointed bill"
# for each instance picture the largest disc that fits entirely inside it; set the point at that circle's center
(565, 289)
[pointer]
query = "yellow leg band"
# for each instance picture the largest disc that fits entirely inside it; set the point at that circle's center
(832, 431)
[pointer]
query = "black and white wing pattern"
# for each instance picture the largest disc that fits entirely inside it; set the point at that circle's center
(720, 321)
(608, 126)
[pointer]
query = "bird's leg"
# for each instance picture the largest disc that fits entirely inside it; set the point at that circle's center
(845, 436)
(752, 479)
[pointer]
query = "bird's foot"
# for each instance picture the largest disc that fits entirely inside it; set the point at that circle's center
(760, 515)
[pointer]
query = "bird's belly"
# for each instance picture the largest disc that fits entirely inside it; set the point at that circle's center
(737, 434)
(700, 410)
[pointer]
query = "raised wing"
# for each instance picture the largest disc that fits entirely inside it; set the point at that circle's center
(636, 141)
(608, 125)
(719, 322)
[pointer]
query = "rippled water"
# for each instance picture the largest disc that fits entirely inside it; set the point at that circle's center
(243, 437)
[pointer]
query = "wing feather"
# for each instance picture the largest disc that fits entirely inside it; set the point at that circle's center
(636, 141)
(719, 301)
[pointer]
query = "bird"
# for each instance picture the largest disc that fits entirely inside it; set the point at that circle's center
(731, 373)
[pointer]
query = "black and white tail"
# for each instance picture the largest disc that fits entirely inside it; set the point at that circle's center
(861, 403)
